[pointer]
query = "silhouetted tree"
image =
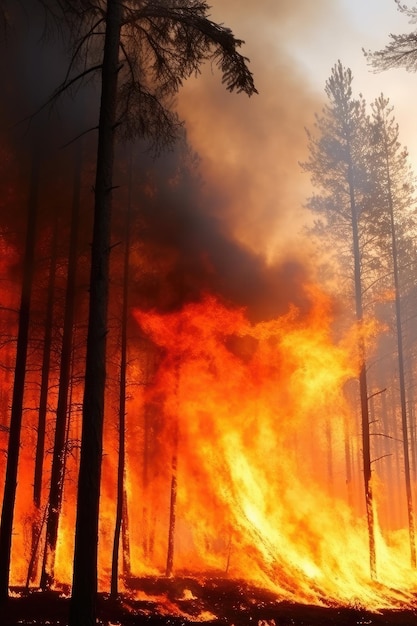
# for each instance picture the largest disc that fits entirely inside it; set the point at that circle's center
(149, 48)
(9, 498)
(43, 406)
(58, 460)
(121, 468)
(401, 51)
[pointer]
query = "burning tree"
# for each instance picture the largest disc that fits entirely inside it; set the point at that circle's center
(147, 49)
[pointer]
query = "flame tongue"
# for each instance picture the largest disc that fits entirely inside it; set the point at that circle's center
(253, 405)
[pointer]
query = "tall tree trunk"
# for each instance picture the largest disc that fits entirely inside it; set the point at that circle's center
(43, 406)
(58, 459)
(84, 589)
(403, 402)
(125, 533)
(121, 470)
(6, 524)
(172, 516)
(363, 385)
(173, 490)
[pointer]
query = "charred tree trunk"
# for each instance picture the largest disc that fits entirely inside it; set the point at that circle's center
(173, 490)
(121, 470)
(127, 572)
(84, 589)
(58, 460)
(43, 408)
(6, 525)
(172, 516)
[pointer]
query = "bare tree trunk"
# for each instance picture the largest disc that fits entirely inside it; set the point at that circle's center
(121, 470)
(58, 460)
(173, 490)
(125, 533)
(84, 589)
(172, 516)
(43, 407)
(403, 402)
(363, 386)
(6, 525)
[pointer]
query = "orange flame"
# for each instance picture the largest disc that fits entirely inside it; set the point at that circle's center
(252, 404)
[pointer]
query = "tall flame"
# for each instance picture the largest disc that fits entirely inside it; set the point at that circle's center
(252, 405)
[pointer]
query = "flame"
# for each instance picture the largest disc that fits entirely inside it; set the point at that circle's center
(253, 419)
(252, 403)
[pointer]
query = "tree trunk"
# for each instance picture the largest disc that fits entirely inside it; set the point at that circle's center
(125, 533)
(84, 589)
(172, 517)
(43, 408)
(173, 491)
(404, 418)
(58, 459)
(363, 386)
(121, 470)
(6, 525)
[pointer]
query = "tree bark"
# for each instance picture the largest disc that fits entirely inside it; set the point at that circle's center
(58, 459)
(43, 408)
(84, 589)
(6, 524)
(403, 402)
(121, 469)
(172, 517)
(363, 385)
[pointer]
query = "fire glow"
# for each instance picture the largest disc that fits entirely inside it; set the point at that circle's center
(246, 410)
(253, 403)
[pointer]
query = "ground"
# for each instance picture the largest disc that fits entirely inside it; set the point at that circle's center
(185, 601)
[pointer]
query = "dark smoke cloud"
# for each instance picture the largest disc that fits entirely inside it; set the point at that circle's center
(189, 253)
(238, 234)
(240, 237)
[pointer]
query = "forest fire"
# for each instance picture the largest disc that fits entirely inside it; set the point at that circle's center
(202, 420)
(240, 413)
(252, 405)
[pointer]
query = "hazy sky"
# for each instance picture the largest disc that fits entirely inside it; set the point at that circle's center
(251, 147)
(358, 24)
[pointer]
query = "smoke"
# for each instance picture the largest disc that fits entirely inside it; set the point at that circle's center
(251, 148)
(241, 235)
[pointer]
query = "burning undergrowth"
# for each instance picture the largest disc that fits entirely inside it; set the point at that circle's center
(187, 600)
(247, 407)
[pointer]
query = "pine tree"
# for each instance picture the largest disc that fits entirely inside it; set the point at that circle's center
(339, 167)
(395, 183)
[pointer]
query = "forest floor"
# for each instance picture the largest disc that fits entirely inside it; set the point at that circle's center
(185, 601)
